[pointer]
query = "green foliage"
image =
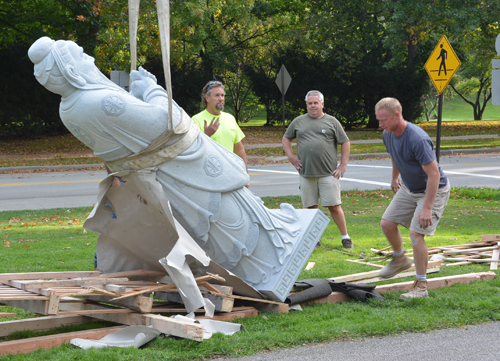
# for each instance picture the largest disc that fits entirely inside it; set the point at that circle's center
(26, 108)
(473, 81)
(355, 52)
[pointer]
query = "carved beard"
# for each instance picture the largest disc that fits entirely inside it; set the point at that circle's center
(97, 79)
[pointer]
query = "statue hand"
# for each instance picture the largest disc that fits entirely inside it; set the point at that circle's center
(141, 81)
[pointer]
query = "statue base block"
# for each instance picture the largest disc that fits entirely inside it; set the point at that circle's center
(313, 223)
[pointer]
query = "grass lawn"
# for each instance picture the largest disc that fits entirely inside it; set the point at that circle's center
(457, 109)
(54, 240)
(454, 109)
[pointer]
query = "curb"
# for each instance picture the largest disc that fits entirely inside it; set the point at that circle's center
(351, 156)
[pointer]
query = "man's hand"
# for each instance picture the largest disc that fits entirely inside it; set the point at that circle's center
(142, 80)
(340, 171)
(395, 185)
(425, 218)
(212, 128)
(296, 162)
(116, 182)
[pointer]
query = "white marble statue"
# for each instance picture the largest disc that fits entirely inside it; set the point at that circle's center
(204, 182)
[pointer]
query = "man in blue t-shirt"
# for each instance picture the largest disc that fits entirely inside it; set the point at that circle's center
(421, 192)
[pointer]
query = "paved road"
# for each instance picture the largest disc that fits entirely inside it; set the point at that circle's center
(78, 189)
(458, 344)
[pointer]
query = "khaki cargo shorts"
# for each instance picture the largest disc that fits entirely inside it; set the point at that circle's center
(314, 188)
(405, 209)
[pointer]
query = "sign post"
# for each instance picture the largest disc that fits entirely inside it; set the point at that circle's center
(283, 81)
(441, 66)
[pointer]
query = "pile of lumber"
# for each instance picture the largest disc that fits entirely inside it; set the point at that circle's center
(484, 251)
(119, 298)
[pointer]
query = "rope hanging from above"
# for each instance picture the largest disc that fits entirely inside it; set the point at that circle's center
(163, 9)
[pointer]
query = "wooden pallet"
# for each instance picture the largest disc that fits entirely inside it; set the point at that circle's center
(485, 251)
(76, 297)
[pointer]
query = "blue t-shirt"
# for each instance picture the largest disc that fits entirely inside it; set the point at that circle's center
(409, 152)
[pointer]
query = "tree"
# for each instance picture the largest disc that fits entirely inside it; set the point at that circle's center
(210, 39)
(26, 108)
(473, 81)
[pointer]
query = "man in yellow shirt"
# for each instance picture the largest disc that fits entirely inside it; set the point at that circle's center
(219, 125)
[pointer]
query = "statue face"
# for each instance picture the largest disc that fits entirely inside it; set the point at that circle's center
(84, 63)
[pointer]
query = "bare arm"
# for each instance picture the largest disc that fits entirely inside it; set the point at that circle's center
(239, 150)
(287, 147)
(433, 175)
(395, 182)
(345, 150)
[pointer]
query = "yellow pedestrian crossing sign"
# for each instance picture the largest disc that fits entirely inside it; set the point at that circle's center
(442, 64)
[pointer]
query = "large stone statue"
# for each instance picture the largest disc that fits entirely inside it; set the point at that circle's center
(204, 183)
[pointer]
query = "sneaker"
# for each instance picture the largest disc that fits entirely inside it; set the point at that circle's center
(397, 264)
(347, 243)
(419, 290)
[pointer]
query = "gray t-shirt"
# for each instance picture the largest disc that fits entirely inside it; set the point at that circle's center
(410, 152)
(317, 141)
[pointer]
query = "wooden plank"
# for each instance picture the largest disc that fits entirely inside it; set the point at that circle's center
(47, 342)
(135, 273)
(47, 275)
(166, 287)
(37, 284)
(170, 326)
(438, 282)
(210, 292)
(310, 266)
(141, 304)
(165, 325)
(222, 304)
(399, 275)
(371, 274)
(470, 259)
(35, 305)
(21, 297)
(364, 263)
(41, 323)
(495, 256)
(470, 250)
(115, 288)
(269, 307)
(209, 287)
(53, 304)
(8, 314)
(490, 237)
(229, 316)
(96, 313)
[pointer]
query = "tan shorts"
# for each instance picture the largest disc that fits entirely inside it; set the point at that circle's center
(314, 188)
(405, 209)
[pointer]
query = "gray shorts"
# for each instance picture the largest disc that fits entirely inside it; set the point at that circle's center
(314, 188)
(405, 209)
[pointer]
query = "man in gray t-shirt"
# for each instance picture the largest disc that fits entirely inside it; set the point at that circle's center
(421, 192)
(318, 135)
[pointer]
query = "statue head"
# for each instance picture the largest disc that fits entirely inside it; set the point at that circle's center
(62, 67)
